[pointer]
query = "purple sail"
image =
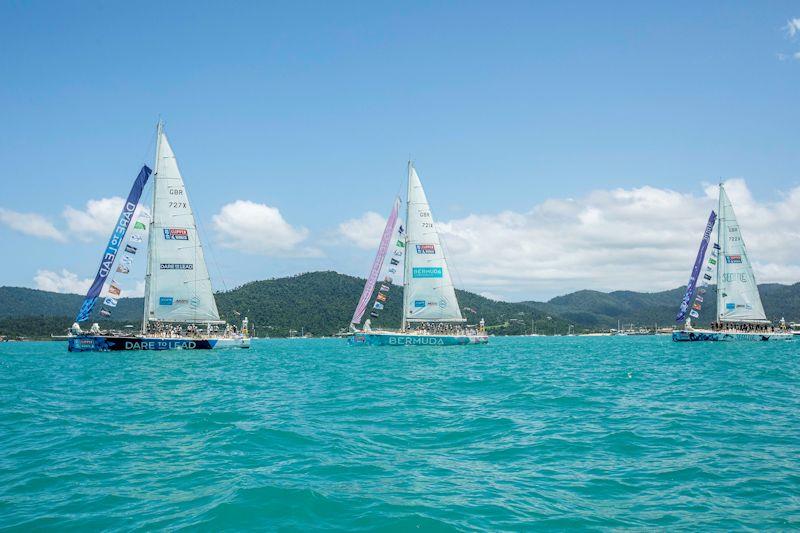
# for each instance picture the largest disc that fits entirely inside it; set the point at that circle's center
(376, 265)
(698, 263)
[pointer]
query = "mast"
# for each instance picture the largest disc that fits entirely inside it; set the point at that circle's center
(406, 254)
(145, 315)
(720, 221)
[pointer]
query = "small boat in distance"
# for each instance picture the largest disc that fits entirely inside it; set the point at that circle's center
(431, 314)
(740, 313)
(179, 307)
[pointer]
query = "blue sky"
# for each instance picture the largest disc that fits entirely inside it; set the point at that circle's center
(312, 109)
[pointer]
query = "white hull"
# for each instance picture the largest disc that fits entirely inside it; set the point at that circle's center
(707, 335)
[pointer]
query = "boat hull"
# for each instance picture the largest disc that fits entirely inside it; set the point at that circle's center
(405, 339)
(108, 343)
(701, 335)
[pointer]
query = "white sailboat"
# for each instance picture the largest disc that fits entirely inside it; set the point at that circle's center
(431, 314)
(740, 313)
(179, 307)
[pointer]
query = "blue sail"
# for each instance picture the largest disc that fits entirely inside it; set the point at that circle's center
(117, 237)
(698, 264)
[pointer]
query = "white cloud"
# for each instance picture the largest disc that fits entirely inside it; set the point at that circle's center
(64, 281)
(97, 218)
(68, 282)
(30, 224)
(642, 239)
(260, 229)
(365, 232)
(793, 26)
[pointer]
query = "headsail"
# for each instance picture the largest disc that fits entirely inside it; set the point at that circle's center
(429, 295)
(117, 237)
(177, 286)
(369, 286)
(698, 264)
(738, 299)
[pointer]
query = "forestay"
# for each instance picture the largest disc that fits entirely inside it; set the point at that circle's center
(429, 295)
(178, 288)
(737, 293)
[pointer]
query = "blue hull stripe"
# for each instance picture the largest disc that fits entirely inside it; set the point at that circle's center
(99, 343)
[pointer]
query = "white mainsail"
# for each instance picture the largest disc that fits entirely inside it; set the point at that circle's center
(429, 295)
(738, 299)
(177, 286)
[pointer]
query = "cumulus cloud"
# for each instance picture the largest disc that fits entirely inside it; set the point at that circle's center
(793, 27)
(30, 224)
(365, 232)
(68, 282)
(96, 219)
(642, 239)
(64, 281)
(260, 229)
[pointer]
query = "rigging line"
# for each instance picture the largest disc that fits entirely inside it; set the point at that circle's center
(204, 237)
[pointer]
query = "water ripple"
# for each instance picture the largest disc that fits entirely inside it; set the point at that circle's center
(523, 433)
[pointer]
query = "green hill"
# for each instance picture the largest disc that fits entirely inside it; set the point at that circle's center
(321, 303)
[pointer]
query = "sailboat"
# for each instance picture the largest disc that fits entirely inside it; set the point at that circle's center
(179, 307)
(740, 313)
(431, 314)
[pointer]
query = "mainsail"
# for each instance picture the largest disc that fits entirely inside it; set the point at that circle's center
(117, 237)
(429, 295)
(369, 286)
(177, 286)
(738, 299)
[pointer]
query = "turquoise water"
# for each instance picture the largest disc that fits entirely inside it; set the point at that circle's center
(310, 434)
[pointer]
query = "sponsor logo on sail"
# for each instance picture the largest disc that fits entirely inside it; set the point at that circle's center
(733, 258)
(177, 266)
(428, 249)
(741, 277)
(176, 234)
(730, 306)
(426, 272)
(165, 300)
(419, 303)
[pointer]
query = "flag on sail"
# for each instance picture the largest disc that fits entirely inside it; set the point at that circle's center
(139, 225)
(394, 262)
(388, 279)
(122, 269)
(381, 297)
(105, 312)
(117, 236)
(114, 289)
(384, 288)
(378, 306)
(692, 284)
(400, 243)
(130, 249)
(109, 301)
(694, 314)
(373, 314)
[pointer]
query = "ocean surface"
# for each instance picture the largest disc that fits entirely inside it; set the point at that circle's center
(523, 433)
